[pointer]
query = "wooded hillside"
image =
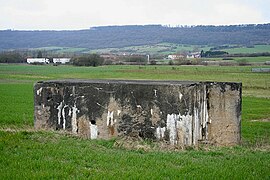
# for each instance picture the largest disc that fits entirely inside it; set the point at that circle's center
(122, 36)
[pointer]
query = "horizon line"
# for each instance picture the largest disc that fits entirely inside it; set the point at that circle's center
(124, 25)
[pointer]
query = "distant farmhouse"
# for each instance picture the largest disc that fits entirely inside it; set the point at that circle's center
(47, 61)
(38, 60)
(194, 55)
(176, 56)
(182, 56)
(61, 60)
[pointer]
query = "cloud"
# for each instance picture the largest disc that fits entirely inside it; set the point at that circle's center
(81, 14)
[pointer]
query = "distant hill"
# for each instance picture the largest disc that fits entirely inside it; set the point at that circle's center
(122, 36)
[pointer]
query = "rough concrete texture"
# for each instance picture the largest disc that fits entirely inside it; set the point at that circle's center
(180, 113)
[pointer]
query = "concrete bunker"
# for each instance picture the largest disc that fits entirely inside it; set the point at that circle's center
(177, 112)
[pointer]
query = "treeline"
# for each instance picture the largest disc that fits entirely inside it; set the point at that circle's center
(20, 56)
(78, 60)
(123, 36)
(249, 54)
(215, 53)
(211, 54)
(12, 57)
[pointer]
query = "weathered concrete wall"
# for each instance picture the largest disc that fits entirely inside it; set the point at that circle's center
(180, 113)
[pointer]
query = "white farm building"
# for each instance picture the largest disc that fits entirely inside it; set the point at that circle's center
(61, 60)
(38, 60)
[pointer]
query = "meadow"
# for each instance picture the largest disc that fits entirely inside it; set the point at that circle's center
(26, 153)
(163, 49)
(171, 48)
(243, 50)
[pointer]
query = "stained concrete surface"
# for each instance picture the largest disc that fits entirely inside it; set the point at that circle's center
(177, 112)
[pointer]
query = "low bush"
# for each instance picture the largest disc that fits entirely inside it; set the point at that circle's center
(88, 60)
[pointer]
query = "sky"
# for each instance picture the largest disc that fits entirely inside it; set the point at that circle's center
(83, 14)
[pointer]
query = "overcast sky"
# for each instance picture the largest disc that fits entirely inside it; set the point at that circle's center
(82, 14)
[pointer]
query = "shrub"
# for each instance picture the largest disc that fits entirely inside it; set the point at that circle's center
(153, 62)
(243, 62)
(170, 62)
(184, 62)
(37, 63)
(88, 60)
(227, 58)
(137, 59)
(108, 62)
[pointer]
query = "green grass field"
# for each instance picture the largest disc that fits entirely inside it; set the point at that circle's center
(253, 59)
(154, 49)
(27, 154)
(38, 155)
(255, 49)
(171, 48)
(62, 50)
(162, 49)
